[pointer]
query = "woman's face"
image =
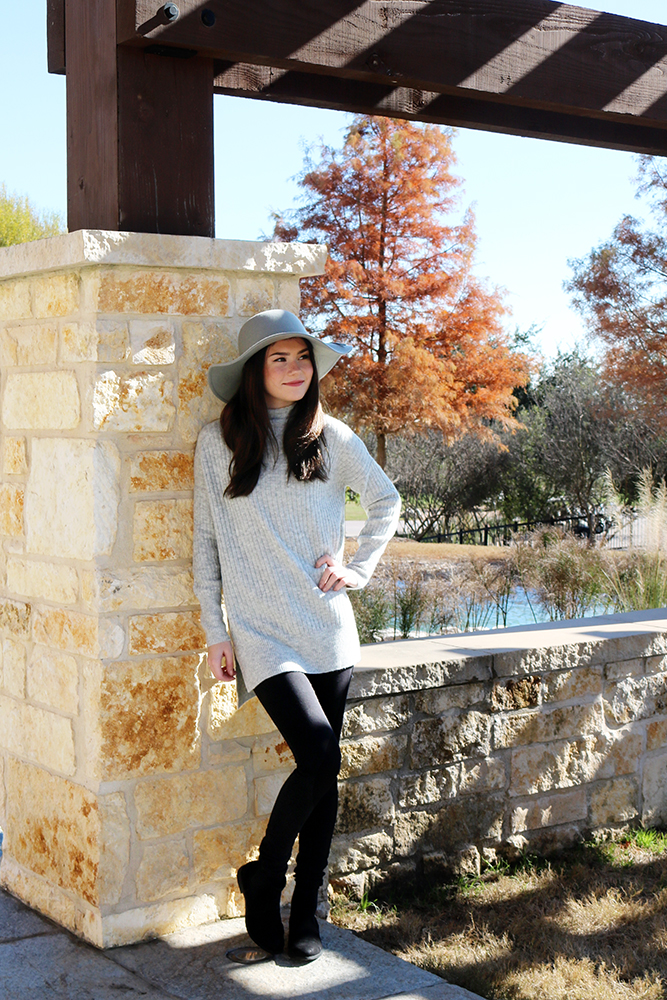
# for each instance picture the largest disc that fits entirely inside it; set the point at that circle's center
(288, 372)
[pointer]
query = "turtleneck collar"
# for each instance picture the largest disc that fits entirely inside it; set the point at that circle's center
(279, 416)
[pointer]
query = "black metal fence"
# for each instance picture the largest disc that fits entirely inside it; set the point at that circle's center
(501, 534)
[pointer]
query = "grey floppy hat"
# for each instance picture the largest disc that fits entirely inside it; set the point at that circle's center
(261, 330)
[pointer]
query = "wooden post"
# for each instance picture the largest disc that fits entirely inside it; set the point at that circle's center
(139, 131)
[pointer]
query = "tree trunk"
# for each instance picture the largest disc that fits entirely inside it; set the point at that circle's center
(381, 454)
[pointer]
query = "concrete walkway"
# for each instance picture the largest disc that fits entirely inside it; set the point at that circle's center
(41, 961)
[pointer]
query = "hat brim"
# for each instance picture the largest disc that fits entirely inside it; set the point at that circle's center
(225, 378)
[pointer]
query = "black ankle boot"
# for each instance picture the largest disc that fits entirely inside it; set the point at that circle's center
(304, 944)
(262, 906)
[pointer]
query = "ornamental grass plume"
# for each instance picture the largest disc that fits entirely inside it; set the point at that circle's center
(637, 580)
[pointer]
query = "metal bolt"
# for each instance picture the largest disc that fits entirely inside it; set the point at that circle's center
(208, 17)
(171, 11)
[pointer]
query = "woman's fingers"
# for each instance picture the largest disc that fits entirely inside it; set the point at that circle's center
(334, 575)
(221, 661)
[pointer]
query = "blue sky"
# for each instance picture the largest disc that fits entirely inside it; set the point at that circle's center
(537, 203)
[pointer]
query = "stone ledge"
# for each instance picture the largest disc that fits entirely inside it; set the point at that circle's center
(94, 247)
(413, 664)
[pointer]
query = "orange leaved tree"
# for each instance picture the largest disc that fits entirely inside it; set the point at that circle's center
(621, 290)
(429, 349)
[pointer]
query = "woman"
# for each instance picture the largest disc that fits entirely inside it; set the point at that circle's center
(270, 484)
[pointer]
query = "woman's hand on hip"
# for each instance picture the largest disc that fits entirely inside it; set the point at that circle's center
(335, 576)
(221, 661)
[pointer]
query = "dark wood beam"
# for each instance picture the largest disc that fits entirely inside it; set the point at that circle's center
(535, 54)
(315, 90)
(92, 114)
(55, 36)
(140, 131)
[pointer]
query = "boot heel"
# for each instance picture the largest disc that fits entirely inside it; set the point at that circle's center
(262, 907)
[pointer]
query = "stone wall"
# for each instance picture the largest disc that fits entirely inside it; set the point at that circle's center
(527, 738)
(126, 800)
(131, 788)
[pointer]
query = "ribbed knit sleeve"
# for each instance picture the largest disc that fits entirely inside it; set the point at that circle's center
(378, 497)
(206, 562)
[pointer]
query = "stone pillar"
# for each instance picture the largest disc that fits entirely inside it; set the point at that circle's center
(130, 789)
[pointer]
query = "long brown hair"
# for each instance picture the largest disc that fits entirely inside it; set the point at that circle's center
(248, 434)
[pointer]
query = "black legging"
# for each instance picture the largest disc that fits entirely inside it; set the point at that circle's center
(308, 712)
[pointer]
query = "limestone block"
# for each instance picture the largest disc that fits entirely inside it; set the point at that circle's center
(138, 401)
(254, 295)
(376, 714)
(566, 685)
(455, 825)
(166, 806)
(562, 764)
(12, 499)
(656, 735)
(424, 789)
(267, 787)
(613, 802)
(113, 340)
(204, 344)
(624, 668)
(633, 698)
(623, 751)
(654, 791)
(439, 741)
(54, 830)
(50, 899)
(477, 776)
(163, 292)
(114, 847)
(146, 712)
(546, 725)
(37, 734)
(14, 299)
(164, 868)
(229, 752)
(136, 589)
(552, 811)
(544, 660)
(172, 632)
(55, 295)
(226, 722)
(353, 854)
(162, 530)
(29, 344)
(35, 578)
(14, 461)
(288, 295)
(52, 679)
(525, 692)
(2, 793)
(157, 920)
(368, 682)
(364, 805)
(152, 342)
(220, 853)
(13, 667)
(441, 700)
(76, 633)
(271, 753)
(656, 664)
(151, 471)
(78, 342)
(72, 498)
(41, 401)
(373, 754)
(15, 618)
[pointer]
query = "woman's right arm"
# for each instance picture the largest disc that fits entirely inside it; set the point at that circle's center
(208, 580)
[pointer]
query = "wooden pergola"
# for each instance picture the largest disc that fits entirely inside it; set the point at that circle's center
(141, 76)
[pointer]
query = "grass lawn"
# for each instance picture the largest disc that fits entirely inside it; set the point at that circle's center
(590, 924)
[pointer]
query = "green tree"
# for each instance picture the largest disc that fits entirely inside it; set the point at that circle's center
(21, 221)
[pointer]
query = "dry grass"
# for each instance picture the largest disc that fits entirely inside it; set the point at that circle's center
(404, 548)
(591, 925)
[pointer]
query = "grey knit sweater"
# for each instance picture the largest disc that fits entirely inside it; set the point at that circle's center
(261, 551)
